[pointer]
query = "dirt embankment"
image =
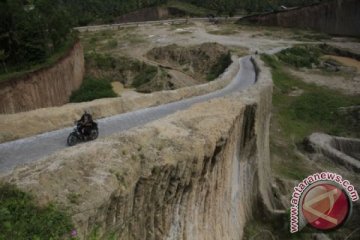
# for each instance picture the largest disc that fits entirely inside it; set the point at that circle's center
(46, 87)
(339, 17)
(197, 61)
(165, 68)
(198, 174)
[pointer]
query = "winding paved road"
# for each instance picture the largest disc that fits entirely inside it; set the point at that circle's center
(33, 148)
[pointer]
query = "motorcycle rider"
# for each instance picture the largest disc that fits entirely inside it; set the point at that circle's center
(85, 124)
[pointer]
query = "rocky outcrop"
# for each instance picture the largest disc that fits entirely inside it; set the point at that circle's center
(344, 151)
(340, 17)
(197, 174)
(46, 87)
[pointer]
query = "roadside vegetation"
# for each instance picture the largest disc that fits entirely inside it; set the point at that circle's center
(224, 62)
(145, 76)
(93, 88)
(20, 218)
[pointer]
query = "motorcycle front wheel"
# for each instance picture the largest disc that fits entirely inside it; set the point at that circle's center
(72, 139)
(94, 134)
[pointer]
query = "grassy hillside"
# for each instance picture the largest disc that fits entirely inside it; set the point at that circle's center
(188, 8)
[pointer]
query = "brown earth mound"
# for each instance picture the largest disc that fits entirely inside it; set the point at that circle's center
(167, 68)
(202, 62)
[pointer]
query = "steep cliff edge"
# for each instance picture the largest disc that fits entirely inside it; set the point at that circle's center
(46, 87)
(197, 174)
(340, 17)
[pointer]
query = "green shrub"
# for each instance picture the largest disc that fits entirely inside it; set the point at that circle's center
(91, 89)
(111, 44)
(101, 61)
(300, 56)
(21, 219)
(146, 74)
(218, 68)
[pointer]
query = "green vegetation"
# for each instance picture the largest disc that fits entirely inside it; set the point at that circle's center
(90, 11)
(101, 61)
(31, 32)
(301, 56)
(107, 62)
(121, 69)
(301, 35)
(314, 110)
(146, 75)
(296, 117)
(20, 70)
(111, 44)
(188, 8)
(109, 40)
(21, 219)
(293, 119)
(91, 89)
(309, 55)
(218, 68)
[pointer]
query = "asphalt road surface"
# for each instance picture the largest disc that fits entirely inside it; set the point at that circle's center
(30, 149)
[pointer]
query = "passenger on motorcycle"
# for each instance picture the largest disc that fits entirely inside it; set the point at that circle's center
(85, 124)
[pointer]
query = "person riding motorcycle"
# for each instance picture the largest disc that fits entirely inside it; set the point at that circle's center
(85, 124)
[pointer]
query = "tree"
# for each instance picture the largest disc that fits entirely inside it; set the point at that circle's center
(3, 58)
(31, 31)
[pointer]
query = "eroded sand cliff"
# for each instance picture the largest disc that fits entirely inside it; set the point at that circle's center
(197, 174)
(46, 87)
(340, 17)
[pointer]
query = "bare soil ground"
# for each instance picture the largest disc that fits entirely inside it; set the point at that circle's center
(346, 84)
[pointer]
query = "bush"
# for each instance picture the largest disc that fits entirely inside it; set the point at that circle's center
(218, 68)
(111, 44)
(20, 218)
(92, 89)
(301, 56)
(146, 75)
(101, 61)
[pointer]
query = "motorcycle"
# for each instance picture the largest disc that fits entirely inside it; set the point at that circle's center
(77, 136)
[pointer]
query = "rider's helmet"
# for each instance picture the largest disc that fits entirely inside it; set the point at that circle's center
(87, 116)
